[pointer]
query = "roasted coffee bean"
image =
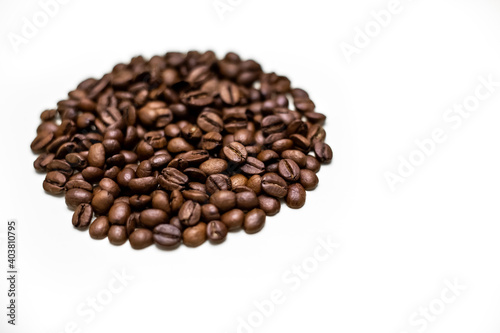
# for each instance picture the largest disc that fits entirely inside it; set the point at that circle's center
(210, 122)
(133, 221)
(119, 213)
(41, 141)
(143, 185)
(213, 166)
(238, 180)
(246, 200)
(76, 196)
(82, 216)
(195, 195)
(99, 228)
(140, 202)
(209, 212)
(218, 182)
(61, 166)
(216, 231)
(110, 186)
(254, 221)
(78, 184)
(97, 155)
(102, 202)
(176, 222)
(189, 213)
(92, 174)
(312, 163)
(152, 217)
(244, 136)
(281, 145)
(235, 152)
(223, 200)
(289, 170)
(160, 161)
(176, 200)
(195, 157)
(295, 155)
(117, 235)
(141, 238)
(125, 176)
(268, 156)
(195, 236)
(323, 152)
(301, 142)
(161, 201)
(271, 206)
(76, 160)
(308, 179)
(172, 179)
(296, 197)
(167, 235)
(255, 184)
(274, 185)
(195, 174)
(253, 166)
(211, 140)
(42, 161)
(233, 219)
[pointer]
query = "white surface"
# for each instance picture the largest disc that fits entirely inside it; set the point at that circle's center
(397, 248)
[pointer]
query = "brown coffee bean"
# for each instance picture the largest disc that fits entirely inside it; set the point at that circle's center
(233, 219)
(143, 185)
(189, 213)
(254, 221)
(82, 216)
(195, 236)
(223, 200)
(161, 201)
(79, 184)
(172, 179)
(209, 212)
(289, 170)
(213, 166)
(99, 228)
(117, 235)
(54, 182)
(296, 197)
(255, 184)
(141, 238)
(218, 182)
(152, 217)
(312, 163)
(110, 186)
(323, 152)
(216, 231)
(211, 140)
(76, 196)
(238, 180)
(246, 200)
(274, 185)
(119, 213)
(235, 152)
(97, 155)
(271, 206)
(253, 166)
(102, 202)
(295, 155)
(308, 179)
(167, 235)
(176, 200)
(210, 122)
(41, 141)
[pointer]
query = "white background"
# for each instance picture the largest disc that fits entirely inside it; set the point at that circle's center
(397, 247)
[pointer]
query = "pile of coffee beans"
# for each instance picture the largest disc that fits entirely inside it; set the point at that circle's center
(181, 148)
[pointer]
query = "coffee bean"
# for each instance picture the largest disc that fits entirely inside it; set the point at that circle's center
(117, 234)
(42, 141)
(274, 185)
(166, 235)
(246, 200)
(143, 185)
(110, 186)
(195, 236)
(296, 197)
(78, 184)
(141, 238)
(255, 184)
(172, 179)
(272, 124)
(210, 122)
(54, 182)
(216, 231)
(312, 163)
(119, 213)
(211, 140)
(102, 202)
(238, 180)
(176, 200)
(140, 202)
(235, 152)
(223, 200)
(254, 221)
(233, 219)
(189, 213)
(289, 170)
(196, 195)
(271, 206)
(76, 196)
(308, 179)
(61, 166)
(253, 166)
(213, 166)
(99, 228)
(295, 155)
(97, 155)
(82, 216)
(153, 217)
(323, 152)
(218, 182)
(209, 212)
(161, 201)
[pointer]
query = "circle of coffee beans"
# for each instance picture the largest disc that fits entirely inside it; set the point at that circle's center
(181, 148)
